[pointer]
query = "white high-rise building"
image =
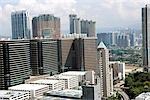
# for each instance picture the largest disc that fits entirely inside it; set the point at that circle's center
(105, 71)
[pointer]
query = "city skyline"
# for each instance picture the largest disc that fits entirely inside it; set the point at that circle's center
(123, 13)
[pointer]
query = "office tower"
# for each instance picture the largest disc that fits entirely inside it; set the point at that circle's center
(82, 26)
(88, 27)
(90, 53)
(20, 25)
(78, 53)
(123, 40)
(44, 56)
(106, 38)
(74, 24)
(105, 70)
(14, 62)
(46, 26)
(91, 29)
(132, 39)
(146, 37)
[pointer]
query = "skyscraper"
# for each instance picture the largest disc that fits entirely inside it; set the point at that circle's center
(20, 25)
(78, 53)
(46, 26)
(105, 70)
(44, 56)
(146, 37)
(82, 26)
(74, 24)
(14, 62)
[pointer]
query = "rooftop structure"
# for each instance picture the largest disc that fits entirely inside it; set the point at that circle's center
(102, 45)
(13, 95)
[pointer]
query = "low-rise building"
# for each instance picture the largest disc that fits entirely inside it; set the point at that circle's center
(53, 84)
(143, 96)
(70, 81)
(34, 90)
(13, 95)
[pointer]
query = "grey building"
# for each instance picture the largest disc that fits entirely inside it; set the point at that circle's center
(146, 37)
(44, 56)
(88, 27)
(123, 40)
(106, 38)
(82, 26)
(14, 62)
(78, 53)
(20, 25)
(74, 24)
(46, 25)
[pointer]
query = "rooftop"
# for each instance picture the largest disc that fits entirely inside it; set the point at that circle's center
(60, 77)
(102, 45)
(46, 81)
(27, 87)
(74, 73)
(9, 93)
(66, 93)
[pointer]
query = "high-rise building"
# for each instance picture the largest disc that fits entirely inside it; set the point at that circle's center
(78, 53)
(46, 26)
(44, 56)
(74, 24)
(20, 25)
(146, 37)
(82, 26)
(106, 38)
(14, 62)
(105, 71)
(123, 40)
(88, 27)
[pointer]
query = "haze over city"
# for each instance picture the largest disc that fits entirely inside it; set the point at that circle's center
(108, 14)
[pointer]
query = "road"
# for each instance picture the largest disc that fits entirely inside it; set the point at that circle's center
(118, 87)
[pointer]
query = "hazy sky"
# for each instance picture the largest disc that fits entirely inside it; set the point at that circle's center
(108, 14)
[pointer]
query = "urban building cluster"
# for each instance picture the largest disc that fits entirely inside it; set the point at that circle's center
(126, 38)
(66, 84)
(49, 63)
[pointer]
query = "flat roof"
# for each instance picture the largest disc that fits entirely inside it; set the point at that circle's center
(74, 73)
(66, 93)
(28, 87)
(9, 93)
(60, 77)
(46, 81)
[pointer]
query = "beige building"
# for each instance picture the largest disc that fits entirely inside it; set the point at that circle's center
(46, 26)
(105, 71)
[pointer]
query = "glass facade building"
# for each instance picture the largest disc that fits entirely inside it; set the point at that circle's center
(20, 25)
